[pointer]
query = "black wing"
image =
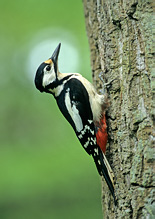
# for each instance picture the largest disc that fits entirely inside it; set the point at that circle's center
(74, 105)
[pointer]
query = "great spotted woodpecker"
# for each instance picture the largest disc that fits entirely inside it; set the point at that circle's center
(83, 108)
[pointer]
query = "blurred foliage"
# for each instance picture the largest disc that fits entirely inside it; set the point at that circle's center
(45, 173)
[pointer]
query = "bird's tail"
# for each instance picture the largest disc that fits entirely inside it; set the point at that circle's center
(105, 170)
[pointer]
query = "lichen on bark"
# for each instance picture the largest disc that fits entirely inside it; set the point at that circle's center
(120, 39)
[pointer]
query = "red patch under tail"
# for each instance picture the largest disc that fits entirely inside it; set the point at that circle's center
(101, 134)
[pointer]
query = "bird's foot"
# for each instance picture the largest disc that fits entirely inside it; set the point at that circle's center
(105, 85)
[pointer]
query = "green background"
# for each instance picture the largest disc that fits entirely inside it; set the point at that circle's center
(44, 171)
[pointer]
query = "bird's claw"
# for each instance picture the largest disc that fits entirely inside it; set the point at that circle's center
(105, 85)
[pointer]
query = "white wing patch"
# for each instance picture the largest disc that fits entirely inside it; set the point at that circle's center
(73, 111)
(86, 144)
(88, 140)
(87, 128)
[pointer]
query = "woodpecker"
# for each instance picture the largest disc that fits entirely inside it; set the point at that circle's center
(82, 107)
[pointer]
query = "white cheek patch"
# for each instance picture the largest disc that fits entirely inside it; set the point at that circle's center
(48, 77)
(74, 113)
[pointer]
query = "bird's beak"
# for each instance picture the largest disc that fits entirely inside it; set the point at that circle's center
(54, 57)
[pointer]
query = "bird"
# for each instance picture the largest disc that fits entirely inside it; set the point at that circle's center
(82, 107)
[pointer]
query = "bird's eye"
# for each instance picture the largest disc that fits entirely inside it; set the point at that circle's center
(48, 68)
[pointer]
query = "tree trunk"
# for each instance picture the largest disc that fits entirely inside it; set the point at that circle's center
(120, 38)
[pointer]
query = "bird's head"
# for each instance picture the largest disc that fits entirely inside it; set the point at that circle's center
(47, 72)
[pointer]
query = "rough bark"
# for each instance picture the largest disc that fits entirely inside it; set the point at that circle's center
(120, 38)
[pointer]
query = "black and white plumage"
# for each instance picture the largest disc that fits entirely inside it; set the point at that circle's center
(80, 104)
